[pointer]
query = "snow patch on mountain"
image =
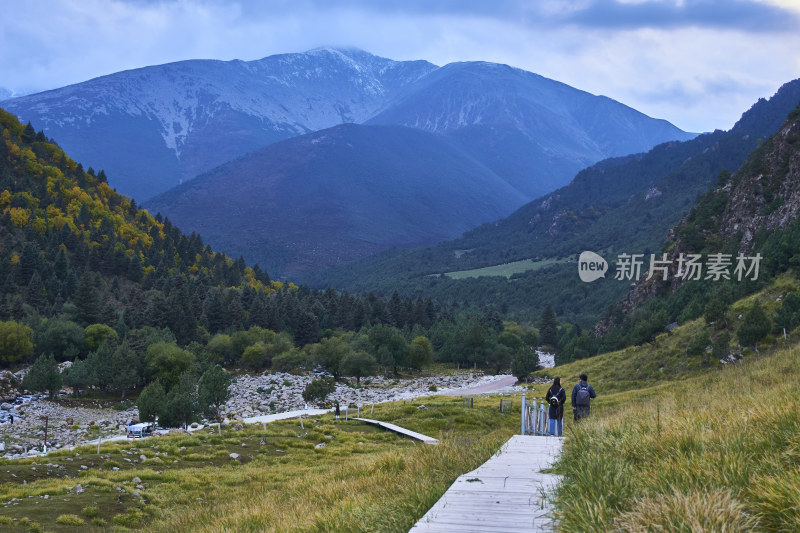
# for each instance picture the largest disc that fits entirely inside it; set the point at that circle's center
(297, 93)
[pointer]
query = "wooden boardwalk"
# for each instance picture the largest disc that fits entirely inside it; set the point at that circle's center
(402, 431)
(505, 494)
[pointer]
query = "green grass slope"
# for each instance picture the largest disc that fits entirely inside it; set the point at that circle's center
(676, 445)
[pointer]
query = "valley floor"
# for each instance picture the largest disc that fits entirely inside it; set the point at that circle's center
(74, 422)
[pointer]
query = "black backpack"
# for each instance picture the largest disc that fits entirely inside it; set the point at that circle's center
(583, 396)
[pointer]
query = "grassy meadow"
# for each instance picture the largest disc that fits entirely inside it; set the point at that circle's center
(676, 445)
(505, 270)
(362, 479)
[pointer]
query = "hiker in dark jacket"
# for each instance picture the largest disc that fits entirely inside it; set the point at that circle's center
(582, 394)
(556, 397)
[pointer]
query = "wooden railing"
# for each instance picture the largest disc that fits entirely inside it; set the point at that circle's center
(534, 417)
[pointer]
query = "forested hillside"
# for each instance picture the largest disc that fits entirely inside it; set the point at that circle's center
(621, 205)
(752, 212)
(71, 245)
(90, 278)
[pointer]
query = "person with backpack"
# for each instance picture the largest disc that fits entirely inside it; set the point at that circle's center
(556, 397)
(582, 394)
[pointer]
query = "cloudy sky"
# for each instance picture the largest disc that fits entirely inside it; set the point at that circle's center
(697, 63)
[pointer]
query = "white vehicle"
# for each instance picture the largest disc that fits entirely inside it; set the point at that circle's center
(138, 431)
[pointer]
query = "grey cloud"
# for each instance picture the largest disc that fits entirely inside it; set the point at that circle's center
(743, 15)
(680, 92)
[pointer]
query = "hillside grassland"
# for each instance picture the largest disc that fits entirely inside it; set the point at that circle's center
(363, 479)
(717, 452)
(674, 444)
(505, 270)
(665, 360)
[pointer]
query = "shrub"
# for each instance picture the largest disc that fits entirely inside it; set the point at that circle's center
(130, 519)
(90, 511)
(70, 520)
(319, 389)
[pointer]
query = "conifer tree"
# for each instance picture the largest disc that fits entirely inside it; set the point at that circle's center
(213, 391)
(755, 327)
(87, 300)
(548, 328)
(151, 402)
(43, 376)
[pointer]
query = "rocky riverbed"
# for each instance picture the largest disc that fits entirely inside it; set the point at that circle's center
(251, 395)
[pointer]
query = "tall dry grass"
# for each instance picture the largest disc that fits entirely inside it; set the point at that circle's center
(717, 452)
(384, 492)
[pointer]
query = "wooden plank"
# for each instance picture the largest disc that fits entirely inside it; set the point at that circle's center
(402, 431)
(505, 494)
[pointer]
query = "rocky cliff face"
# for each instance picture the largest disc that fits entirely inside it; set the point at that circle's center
(765, 194)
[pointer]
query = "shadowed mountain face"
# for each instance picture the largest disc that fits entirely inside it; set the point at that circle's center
(155, 127)
(329, 197)
(620, 205)
(535, 132)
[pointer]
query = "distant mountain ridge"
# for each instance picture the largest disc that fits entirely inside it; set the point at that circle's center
(326, 198)
(154, 127)
(620, 205)
(527, 128)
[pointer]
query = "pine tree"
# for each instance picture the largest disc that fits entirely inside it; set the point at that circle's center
(78, 376)
(125, 366)
(151, 402)
(100, 361)
(87, 300)
(213, 391)
(548, 328)
(755, 327)
(524, 362)
(43, 376)
(181, 404)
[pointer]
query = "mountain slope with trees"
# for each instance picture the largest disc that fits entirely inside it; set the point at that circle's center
(753, 213)
(129, 303)
(329, 197)
(620, 205)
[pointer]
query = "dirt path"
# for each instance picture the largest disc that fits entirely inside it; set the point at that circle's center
(505, 382)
